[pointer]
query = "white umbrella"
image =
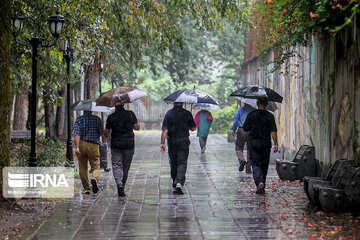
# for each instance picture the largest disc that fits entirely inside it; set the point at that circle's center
(253, 102)
(90, 105)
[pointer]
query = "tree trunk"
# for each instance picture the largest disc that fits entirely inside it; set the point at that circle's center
(92, 75)
(60, 115)
(50, 131)
(94, 82)
(5, 80)
(21, 108)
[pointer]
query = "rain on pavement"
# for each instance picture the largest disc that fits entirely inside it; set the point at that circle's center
(219, 203)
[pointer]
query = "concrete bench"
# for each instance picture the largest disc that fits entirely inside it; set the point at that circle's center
(334, 181)
(20, 135)
(330, 175)
(303, 164)
(334, 198)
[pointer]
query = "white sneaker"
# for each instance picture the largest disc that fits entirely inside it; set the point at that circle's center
(87, 192)
(179, 188)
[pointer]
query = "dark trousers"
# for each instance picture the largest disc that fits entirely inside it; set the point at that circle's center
(259, 158)
(179, 152)
(202, 141)
(121, 162)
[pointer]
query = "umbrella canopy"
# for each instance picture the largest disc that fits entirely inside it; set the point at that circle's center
(120, 95)
(207, 106)
(253, 102)
(191, 96)
(256, 92)
(90, 105)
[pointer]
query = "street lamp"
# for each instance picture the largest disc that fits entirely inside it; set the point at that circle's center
(68, 57)
(56, 25)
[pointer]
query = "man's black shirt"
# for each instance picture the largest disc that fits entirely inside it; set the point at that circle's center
(121, 122)
(178, 121)
(260, 124)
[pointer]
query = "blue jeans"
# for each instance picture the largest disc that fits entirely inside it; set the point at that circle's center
(259, 158)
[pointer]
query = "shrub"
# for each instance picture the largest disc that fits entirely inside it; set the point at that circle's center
(50, 153)
(223, 119)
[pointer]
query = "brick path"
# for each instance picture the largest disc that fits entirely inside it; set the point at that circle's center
(219, 203)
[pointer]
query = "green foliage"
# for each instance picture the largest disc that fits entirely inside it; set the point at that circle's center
(50, 153)
(210, 61)
(282, 24)
(223, 119)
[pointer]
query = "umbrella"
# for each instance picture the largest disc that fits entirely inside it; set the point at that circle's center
(90, 105)
(191, 96)
(120, 95)
(256, 92)
(253, 102)
(207, 106)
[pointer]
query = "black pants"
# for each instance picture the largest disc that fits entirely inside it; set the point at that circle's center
(259, 158)
(179, 152)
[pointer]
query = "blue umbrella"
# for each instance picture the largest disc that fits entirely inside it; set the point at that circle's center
(207, 106)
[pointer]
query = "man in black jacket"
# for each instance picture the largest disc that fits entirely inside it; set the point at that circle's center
(121, 122)
(261, 126)
(176, 125)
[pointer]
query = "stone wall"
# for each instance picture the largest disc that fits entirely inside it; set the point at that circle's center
(321, 93)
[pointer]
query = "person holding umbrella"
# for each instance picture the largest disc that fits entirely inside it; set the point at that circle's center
(242, 136)
(203, 120)
(176, 125)
(88, 129)
(261, 127)
(121, 123)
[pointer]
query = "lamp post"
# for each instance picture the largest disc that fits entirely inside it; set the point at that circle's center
(68, 57)
(56, 25)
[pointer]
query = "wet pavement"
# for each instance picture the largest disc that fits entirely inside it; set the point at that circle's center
(219, 203)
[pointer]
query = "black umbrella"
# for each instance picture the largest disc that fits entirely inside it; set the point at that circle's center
(256, 92)
(191, 96)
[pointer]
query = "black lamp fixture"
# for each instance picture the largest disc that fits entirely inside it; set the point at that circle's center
(56, 26)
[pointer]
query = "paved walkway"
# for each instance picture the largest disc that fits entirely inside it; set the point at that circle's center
(219, 203)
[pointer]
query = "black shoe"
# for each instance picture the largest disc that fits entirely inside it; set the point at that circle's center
(107, 169)
(242, 165)
(179, 188)
(95, 188)
(260, 189)
(121, 192)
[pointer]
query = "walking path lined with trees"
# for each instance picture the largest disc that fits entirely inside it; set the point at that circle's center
(219, 202)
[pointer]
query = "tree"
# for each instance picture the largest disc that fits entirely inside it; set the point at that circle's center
(5, 93)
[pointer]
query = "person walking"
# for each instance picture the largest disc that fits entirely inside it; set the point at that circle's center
(261, 127)
(176, 125)
(121, 123)
(88, 129)
(242, 136)
(203, 121)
